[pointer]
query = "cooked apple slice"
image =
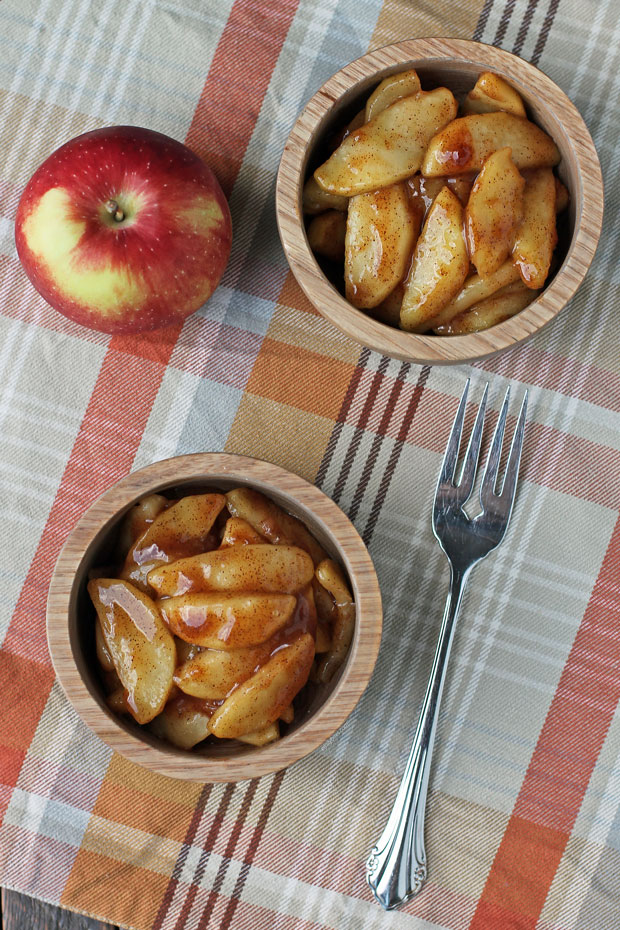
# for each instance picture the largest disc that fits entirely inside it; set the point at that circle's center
(381, 233)
(495, 309)
(323, 641)
(238, 532)
(466, 143)
(440, 264)
(261, 737)
(329, 574)
(184, 721)
(288, 714)
(259, 568)
(562, 197)
(490, 93)
(388, 311)
(273, 522)
(475, 290)
(391, 89)
(139, 642)
(536, 236)
(227, 621)
(494, 211)
(139, 518)
(181, 530)
(326, 234)
(262, 698)
(390, 147)
(315, 200)
(103, 653)
(214, 672)
(424, 190)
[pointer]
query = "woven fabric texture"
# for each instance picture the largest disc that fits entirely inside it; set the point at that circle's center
(523, 826)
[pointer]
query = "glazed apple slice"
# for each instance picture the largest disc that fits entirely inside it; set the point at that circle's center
(181, 530)
(215, 672)
(227, 621)
(536, 237)
(440, 264)
(238, 532)
(381, 231)
(465, 144)
(139, 643)
(495, 309)
(494, 211)
(260, 700)
(491, 93)
(184, 721)
(475, 290)
(391, 89)
(390, 147)
(326, 234)
(272, 521)
(263, 569)
(316, 200)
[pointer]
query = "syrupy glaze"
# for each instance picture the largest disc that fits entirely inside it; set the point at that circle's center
(183, 704)
(119, 597)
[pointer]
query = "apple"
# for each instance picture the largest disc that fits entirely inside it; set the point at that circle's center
(124, 229)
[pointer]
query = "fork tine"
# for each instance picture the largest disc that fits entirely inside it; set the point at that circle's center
(470, 463)
(452, 449)
(489, 477)
(514, 458)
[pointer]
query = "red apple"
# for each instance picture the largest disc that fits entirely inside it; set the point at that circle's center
(124, 229)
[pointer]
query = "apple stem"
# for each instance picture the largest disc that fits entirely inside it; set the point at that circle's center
(113, 208)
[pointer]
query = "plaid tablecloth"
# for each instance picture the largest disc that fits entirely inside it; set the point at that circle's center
(523, 825)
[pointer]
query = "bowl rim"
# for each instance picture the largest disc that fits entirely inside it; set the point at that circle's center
(425, 349)
(209, 467)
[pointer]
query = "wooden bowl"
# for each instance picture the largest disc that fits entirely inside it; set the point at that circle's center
(453, 63)
(70, 615)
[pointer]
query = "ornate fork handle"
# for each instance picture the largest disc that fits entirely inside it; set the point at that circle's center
(396, 867)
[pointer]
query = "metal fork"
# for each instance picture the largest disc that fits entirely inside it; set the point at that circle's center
(396, 867)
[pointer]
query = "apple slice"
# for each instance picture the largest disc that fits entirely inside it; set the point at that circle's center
(184, 721)
(537, 236)
(494, 211)
(490, 93)
(238, 532)
(475, 290)
(465, 144)
(390, 147)
(440, 264)
(273, 522)
(326, 234)
(214, 672)
(330, 576)
(139, 518)
(388, 311)
(139, 642)
(261, 737)
(381, 232)
(391, 89)
(259, 568)
(262, 698)
(495, 309)
(227, 621)
(316, 200)
(423, 190)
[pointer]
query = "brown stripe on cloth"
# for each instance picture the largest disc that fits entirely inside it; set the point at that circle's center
(525, 25)
(204, 856)
(395, 455)
(182, 857)
(228, 853)
(503, 22)
(342, 417)
(483, 20)
(377, 441)
(358, 431)
(544, 32)
(255, 839)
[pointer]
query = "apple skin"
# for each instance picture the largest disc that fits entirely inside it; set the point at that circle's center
(155, 265)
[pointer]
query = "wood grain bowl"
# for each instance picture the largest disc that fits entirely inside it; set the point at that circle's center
(453, 63)
(70, 618)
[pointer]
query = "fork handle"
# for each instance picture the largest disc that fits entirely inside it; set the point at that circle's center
(396, 867)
